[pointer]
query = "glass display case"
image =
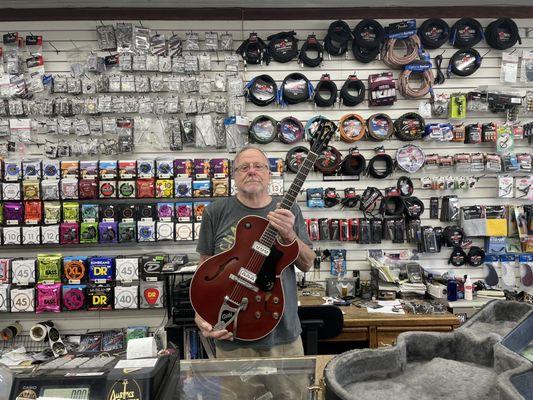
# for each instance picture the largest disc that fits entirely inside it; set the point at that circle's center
(254, 379)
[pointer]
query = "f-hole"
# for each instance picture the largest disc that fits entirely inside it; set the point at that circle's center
(220, 269)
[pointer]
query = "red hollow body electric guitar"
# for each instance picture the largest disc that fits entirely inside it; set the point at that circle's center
(240, 289)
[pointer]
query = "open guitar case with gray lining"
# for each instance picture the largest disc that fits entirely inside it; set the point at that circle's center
(478, 361)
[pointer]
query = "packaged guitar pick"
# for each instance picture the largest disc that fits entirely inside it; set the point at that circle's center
(48, 298)
(152, 294)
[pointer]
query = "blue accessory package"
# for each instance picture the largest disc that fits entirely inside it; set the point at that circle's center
(101, 269)
(315, 197)
(338, 262)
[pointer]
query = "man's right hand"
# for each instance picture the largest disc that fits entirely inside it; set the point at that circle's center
(207, 330)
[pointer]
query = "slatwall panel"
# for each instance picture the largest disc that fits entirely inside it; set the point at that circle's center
(69, 37)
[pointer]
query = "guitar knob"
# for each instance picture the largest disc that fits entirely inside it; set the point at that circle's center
(247, 225)
(275, 315)
(257, 314)
(275, 300)
(258, 298)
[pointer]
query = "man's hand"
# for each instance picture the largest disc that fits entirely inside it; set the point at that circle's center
(207, 330)
(283, 221)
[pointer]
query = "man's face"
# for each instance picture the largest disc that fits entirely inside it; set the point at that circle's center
(252, 174)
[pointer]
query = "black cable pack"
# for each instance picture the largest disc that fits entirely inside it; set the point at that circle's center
(502, 34)
(253, 50)
(325, 85)
(354, 163)
(352, 85)
(368, 34)
(295, 88)
(311, 45)
(283, 46)
(382, 173)
(337, 38)
(466, 33)
(364, 54)
(262, 90)
(464, 62)
(392, 206)
(433, 33)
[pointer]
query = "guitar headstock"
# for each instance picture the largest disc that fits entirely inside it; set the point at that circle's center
(324, 132)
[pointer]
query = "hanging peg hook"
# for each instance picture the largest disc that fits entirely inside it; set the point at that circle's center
(483, 56)
(54, 47)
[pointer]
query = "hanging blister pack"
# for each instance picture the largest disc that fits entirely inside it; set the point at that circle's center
(220, 133)
(211, 41)
(526, 69)
(526, 270)
(509, 266)
(226, 42)
(338, 262)
(188, 132)
(192, 42)
(124, 37)
(174, 46)
(205, 133)
(490, 269)
(173, 130)
(236, 133)
(105, 35)
(141, 40)
(509, 67)
(158, 45)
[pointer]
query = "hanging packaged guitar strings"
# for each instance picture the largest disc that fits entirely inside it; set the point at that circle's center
(138, 62)
(509, 67)
(165, 64)
(141, 40)
(188, 132)
(189, 105)
(203, 106)
(204, 62)
(204, 85)
(174, 46)
(226, 42)
(178, 65)
(191, 64)
(219, 82)
(124, 37)
(191, 41)
(158, 45)
(211, 41)
(220, 133)
(105, 34)
(172, 104)
(205, 133)
(152, 63)
(526, 74)
(173, 83)
(219, 105)
(142, 84)
(173, 128)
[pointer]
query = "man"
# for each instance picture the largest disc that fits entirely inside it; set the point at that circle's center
(217, 234)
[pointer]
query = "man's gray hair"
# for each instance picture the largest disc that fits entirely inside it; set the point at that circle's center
(245, 148)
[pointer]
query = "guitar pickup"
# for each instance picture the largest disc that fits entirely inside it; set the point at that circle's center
(261, 249)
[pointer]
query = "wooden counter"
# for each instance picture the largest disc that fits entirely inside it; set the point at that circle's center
(383, 329)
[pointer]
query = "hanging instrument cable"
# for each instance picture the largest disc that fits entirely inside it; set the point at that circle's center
(405, 88)
(439, 78)
(325, 85)
(352, 84)
(311, 44)
(391, 57)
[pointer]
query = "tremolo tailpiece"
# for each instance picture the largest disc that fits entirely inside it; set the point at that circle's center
(230, 314)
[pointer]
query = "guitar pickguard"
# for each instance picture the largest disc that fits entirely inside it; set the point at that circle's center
(267, 274)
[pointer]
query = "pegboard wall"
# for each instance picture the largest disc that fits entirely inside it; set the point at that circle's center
(64, 41)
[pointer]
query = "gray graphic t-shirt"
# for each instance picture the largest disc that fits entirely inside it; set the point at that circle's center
(217, 234)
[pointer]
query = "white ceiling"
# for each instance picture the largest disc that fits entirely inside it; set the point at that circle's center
(253, 3)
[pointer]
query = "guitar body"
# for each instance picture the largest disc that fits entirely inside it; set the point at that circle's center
(228, 289)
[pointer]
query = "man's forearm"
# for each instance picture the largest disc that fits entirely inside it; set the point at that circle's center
(306, 258)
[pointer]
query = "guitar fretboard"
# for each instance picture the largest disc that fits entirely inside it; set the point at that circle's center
(269, 235)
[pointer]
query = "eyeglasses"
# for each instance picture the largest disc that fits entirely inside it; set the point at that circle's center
(246, 167)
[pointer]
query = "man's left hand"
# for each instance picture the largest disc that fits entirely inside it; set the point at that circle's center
(283, 221)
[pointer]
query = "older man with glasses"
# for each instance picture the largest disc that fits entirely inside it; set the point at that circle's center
(217, 234)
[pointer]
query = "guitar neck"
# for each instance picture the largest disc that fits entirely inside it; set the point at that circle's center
(269, 236)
